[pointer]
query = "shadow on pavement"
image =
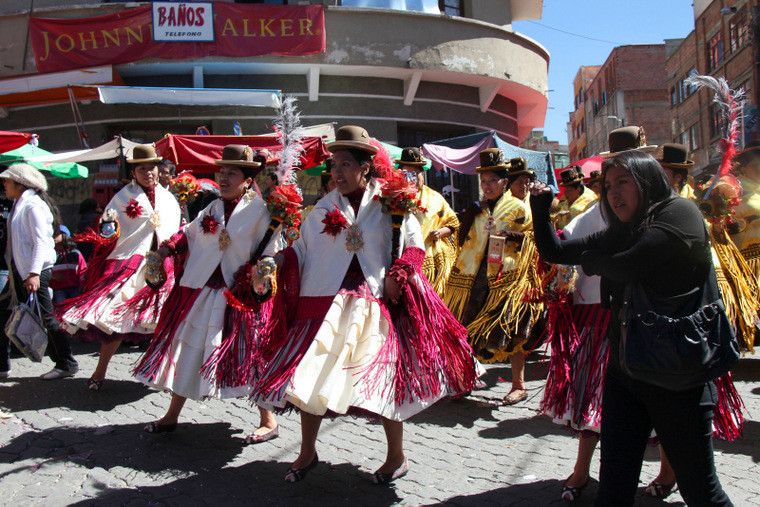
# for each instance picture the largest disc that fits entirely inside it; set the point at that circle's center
(192, 446)
(746, 370)
(749, 445)
(546, 492)
(254, 483)
(537, 427)
(19, 394)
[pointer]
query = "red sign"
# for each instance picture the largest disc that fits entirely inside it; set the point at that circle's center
(240, 30)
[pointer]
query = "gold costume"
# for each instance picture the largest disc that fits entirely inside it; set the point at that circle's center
(687, 192)
(565, 212)
(748, 217)
(439, 254)
(507, 283)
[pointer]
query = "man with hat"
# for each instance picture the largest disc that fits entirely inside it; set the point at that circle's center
(576, 198)
(746, 235)
(437, 219)
(493, 270)
(673, 158)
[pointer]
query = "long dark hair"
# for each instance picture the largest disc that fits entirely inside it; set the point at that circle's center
(53, 209)
(651, 180)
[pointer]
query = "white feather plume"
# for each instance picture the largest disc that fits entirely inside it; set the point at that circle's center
(288, 126)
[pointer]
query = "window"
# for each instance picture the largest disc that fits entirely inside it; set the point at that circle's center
(692, 87)
(716, 121)
(674, 96)
(604, 97)
(738, 31)
(693, 137)
(715, 50)
(451, 7)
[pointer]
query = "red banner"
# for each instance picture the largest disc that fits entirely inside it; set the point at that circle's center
(241, 30)
(197, 153)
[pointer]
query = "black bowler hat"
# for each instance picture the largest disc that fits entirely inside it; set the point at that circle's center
(570, 176)
(627, 138)
(411, 156)
(675, 156)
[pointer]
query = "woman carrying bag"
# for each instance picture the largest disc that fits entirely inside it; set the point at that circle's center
(31, 256)
(656, 243)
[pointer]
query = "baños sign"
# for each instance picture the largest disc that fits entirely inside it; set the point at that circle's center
(239, 30)
(183, 22)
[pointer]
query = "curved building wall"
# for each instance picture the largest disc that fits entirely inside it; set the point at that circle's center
(386, 70)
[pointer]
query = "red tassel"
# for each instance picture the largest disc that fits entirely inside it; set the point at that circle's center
(145, 305)
(728, 419)
(175, 310)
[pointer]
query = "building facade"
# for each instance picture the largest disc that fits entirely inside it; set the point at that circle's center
(407, 76)
(721, 46)
(576, 131)
(537, 141)
(630, 88)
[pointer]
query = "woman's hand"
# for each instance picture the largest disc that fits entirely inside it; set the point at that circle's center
(32, 284)
(392, 290)
(442, 233)
(538, 188)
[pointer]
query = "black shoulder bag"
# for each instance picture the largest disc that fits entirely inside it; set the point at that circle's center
(677, 343)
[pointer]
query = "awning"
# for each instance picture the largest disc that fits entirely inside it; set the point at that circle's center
(12, 140)
(109, 150)
(197, 153)
(54, 86)
(189, 96)
(462, 154)
(27, 152)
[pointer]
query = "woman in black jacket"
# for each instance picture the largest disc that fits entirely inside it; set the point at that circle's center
(659, 240)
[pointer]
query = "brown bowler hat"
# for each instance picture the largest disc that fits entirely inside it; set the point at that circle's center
(237, 155)
(627, 138)
(517, 166)
(570, 176)
(351, 137)
(143, 153)
(411, 156)
(595, 176)
(675, 156)
(491, 159)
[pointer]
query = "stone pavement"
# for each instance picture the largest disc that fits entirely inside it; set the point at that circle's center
(65, 445)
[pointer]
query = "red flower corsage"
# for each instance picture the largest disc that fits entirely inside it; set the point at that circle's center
(335, 222)
(133, 209)
(209, 224)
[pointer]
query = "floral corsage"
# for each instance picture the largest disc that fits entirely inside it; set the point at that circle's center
(209, 224)
(335, 222)
(133, 209)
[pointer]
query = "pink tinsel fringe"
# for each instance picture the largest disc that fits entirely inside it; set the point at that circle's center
(175, 310)
(111, 277)
(145, 305)
(728, 419)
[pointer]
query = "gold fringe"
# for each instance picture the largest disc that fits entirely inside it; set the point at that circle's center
(505, 305)
(743, 305)
(457, 293)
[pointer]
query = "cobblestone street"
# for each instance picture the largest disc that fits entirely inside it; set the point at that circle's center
(65, 445)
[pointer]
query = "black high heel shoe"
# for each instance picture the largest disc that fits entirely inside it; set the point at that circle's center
(382, 478)
(571, 493)
(298, 474)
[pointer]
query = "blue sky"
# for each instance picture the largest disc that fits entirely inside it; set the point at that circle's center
(612, 23)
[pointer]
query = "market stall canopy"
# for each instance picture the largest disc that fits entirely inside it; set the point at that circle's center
(12, 140)
(197, 153)
(109, 150)
(587, 165)
(462, 155)
(189, 96)
(54, 87)
(28, 152)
